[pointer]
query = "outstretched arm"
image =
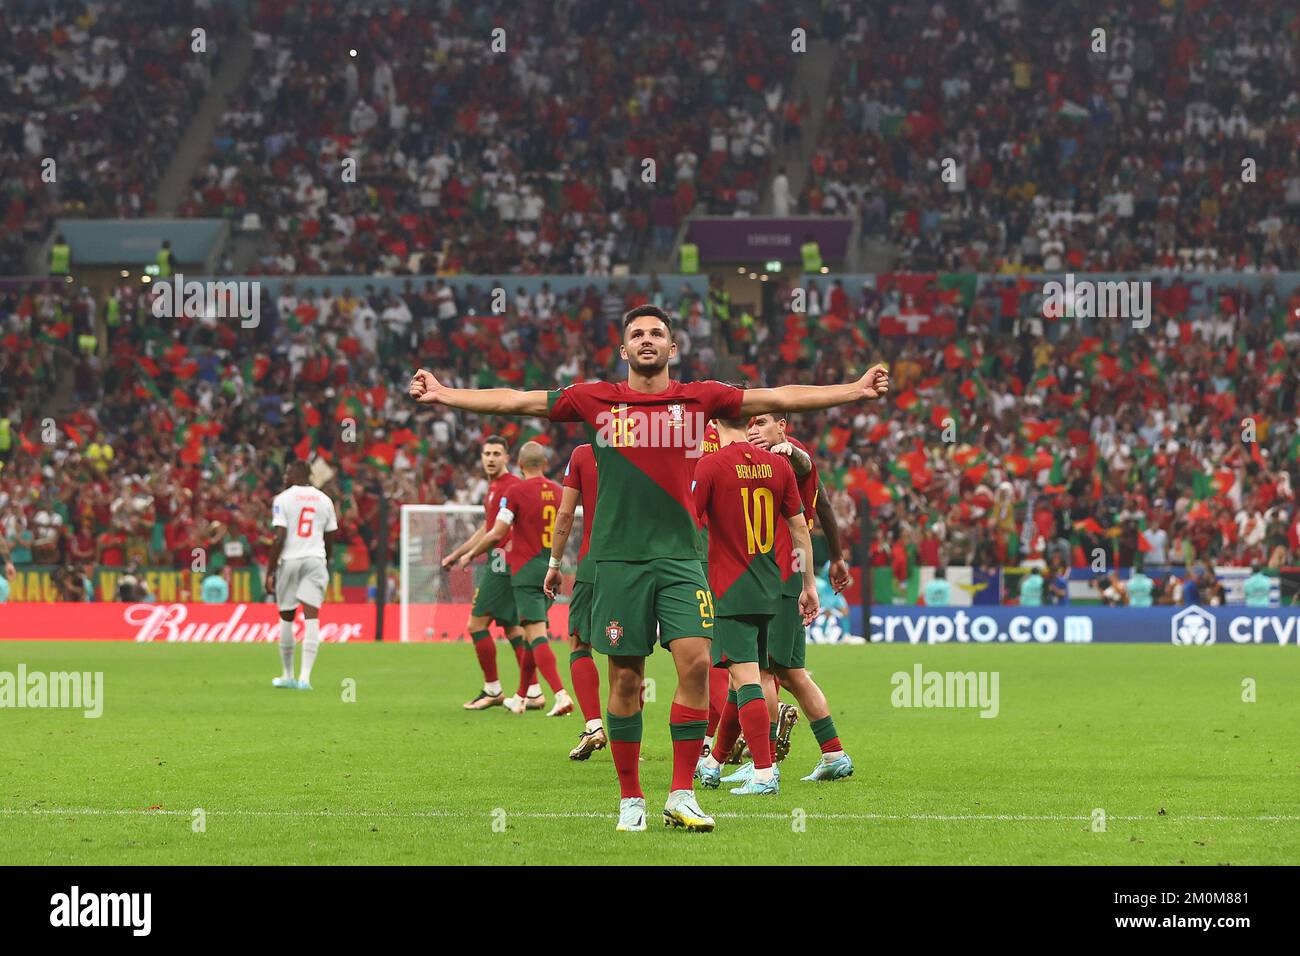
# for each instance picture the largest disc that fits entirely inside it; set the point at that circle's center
(810, 398)
(427, 390)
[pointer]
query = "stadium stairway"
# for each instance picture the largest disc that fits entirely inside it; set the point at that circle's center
(812, 78)
(194, 144)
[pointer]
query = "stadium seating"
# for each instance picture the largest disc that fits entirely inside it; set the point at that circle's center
(1065, 156)
(470, 160)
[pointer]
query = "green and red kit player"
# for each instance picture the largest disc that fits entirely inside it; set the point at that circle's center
(747, 494)
(493, 598)
(787, 649)
(649, 583)
(718, 678)
(579, 485)
(526, 514)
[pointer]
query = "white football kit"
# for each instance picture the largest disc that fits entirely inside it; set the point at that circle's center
(301, 577)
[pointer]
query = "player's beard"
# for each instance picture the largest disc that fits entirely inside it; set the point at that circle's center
(646, 366)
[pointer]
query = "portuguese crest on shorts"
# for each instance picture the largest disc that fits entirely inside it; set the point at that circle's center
(614, 633)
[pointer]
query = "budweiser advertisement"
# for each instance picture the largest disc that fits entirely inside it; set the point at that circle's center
(228, 623)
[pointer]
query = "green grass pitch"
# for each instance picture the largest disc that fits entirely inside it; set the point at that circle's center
(1158, 737)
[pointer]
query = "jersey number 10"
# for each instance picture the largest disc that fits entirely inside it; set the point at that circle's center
(760, 520)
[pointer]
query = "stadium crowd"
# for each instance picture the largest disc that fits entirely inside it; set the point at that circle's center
(1166, 141)
(525, 154)
(105, 90)
(1062, 437)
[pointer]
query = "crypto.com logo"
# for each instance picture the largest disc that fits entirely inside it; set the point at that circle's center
(1192, 625)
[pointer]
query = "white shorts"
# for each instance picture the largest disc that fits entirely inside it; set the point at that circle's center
(301, 581)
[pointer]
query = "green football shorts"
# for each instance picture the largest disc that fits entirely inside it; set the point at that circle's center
(788, 642)
(580, 610)
(636, 603)
(741, 640)
(494, 598)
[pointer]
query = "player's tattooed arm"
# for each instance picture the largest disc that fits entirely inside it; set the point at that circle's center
(809, 398)
(559, 538)
(840, 577)
(799, 460)
(427, 390)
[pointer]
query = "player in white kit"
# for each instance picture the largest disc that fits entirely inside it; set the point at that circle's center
(298, 567)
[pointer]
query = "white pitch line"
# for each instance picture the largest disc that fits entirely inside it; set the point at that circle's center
(534, 815)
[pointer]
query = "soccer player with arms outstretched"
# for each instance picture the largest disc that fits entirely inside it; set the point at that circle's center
(579, 485)
(493, 598)
(305, 527)
(786, 652)
(744, 493)
(526, 513)
(649, 580)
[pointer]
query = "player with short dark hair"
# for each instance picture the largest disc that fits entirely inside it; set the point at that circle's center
(743, 491)
(649, 582)
(493, 598)
(305, 526)
(526, 514)
(789, 643)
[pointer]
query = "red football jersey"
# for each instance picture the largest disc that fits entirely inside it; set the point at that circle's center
(645, 445)
(745, 493)
(580, 475)
(784, 544)
(492, 503)
(534, 503)
(808, 484)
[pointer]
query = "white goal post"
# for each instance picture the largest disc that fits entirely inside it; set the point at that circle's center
(428, 534)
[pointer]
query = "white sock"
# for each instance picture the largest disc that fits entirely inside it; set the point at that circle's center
(492, 687)
(286, 649)
(594, 724)
(708, 742)
(711, 762)
(310, 645)
(764, 775)
(534, 690)
(832, 756)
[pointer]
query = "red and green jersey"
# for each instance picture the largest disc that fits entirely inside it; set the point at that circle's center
(746, 494)
(530, 506)
(580, 475)
(792, 580)
(645, 445)
(492, 503)
(710, 443)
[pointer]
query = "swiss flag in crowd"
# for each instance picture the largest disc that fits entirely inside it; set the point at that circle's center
(917, 323)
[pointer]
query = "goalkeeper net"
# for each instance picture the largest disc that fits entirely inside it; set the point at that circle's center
(435, 602)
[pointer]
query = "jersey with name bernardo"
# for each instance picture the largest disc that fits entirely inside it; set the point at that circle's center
(746, 494)
(501, 484)
(645, 445)
(530, 507)
(792, 580)
(305, 513)
(580, 475)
